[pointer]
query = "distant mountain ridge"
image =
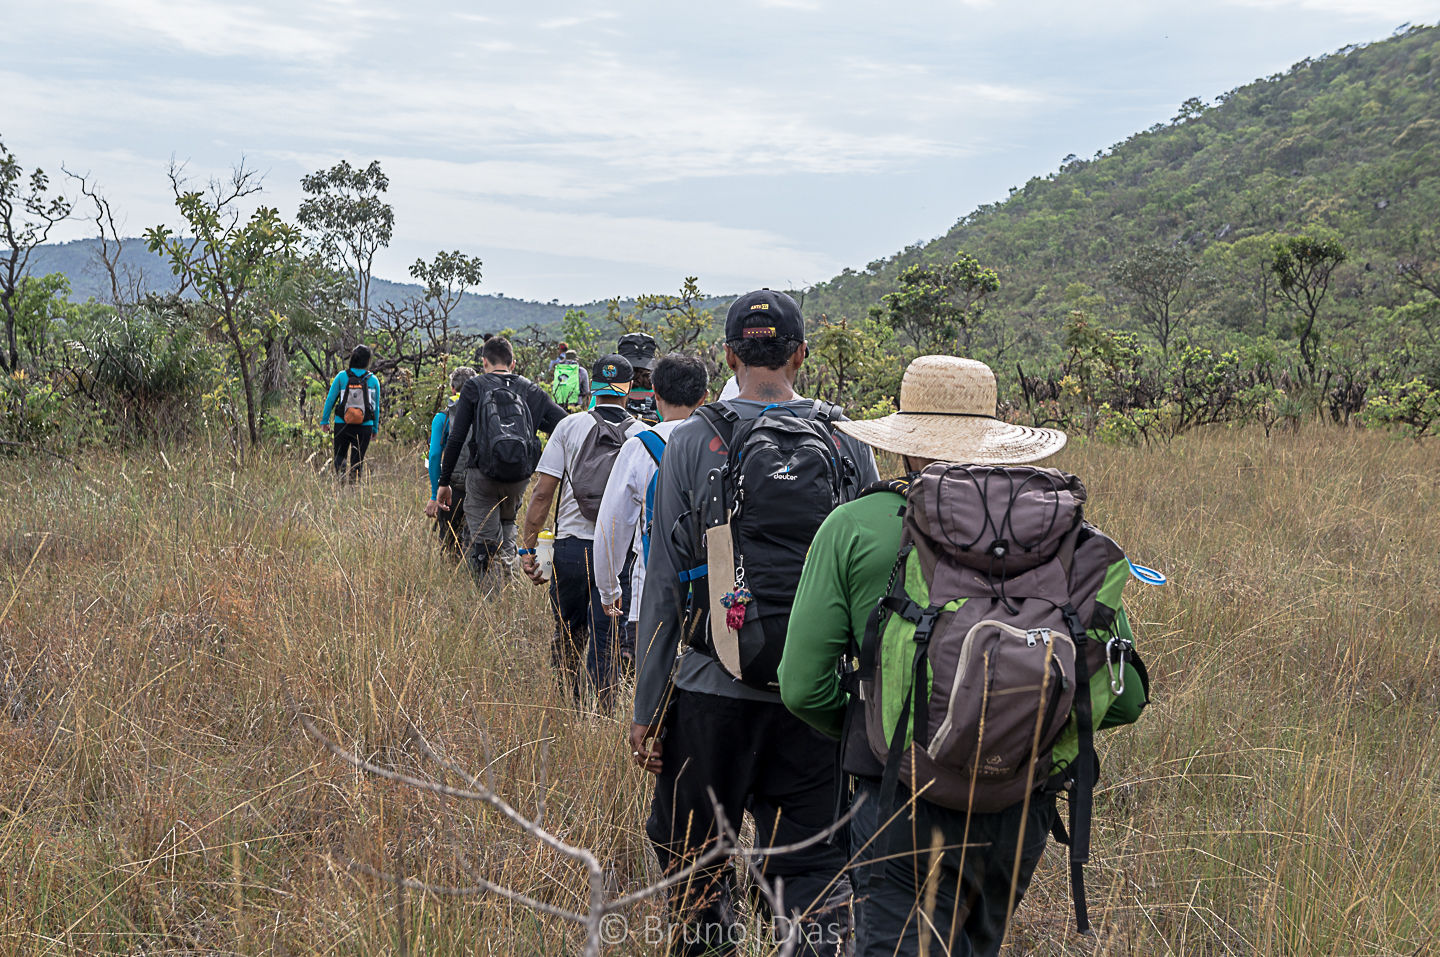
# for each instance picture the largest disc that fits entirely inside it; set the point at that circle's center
(478, 311)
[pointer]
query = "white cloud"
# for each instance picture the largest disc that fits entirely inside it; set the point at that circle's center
(1395, 11)
(562, 23)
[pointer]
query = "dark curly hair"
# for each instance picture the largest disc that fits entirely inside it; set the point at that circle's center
(764, 353)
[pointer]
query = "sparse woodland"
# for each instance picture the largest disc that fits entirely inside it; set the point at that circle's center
(248, 711)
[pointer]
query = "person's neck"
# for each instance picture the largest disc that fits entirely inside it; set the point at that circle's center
(767, 385)
(610, 401)
(674, 413)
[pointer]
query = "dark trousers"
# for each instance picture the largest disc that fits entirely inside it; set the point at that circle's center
(354, 440)
(896, 869)
(582, 629)
(755, 756)
(454, 533)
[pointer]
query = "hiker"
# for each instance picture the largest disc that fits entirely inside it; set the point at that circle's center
(569, 385)
(573, 473)
(978, 570)
(713, 720)
(354, 400)
(623, 522)
(497, 415)
(639, 348)
(454, 535)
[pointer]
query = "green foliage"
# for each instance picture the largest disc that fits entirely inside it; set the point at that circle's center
(938, 304)
(1302, 266)
(1411, 407)
(1164, 285)
(345, 210)
(225, 258)
(583, 338)
(28, 211)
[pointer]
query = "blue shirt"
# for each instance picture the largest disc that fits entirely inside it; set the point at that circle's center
(437, 450)
(335, 417)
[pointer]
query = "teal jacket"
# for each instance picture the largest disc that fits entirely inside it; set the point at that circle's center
(332, 414)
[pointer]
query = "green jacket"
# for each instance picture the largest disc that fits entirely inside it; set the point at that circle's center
(845, 574)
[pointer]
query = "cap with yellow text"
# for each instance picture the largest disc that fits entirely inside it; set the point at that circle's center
(764, 314)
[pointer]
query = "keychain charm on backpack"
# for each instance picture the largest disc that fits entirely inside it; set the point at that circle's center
(737, 600)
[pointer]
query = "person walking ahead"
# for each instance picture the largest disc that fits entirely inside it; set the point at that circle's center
(623, 523)
(992, 558)
(354, 401)
(752, 478)
(498, 412)
(454, 536)
(576, 467)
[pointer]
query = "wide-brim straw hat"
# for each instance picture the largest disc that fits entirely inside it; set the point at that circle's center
(947, 413)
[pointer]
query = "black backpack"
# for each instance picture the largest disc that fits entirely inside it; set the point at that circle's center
(595, 461)
(783, 475)
(506, 446)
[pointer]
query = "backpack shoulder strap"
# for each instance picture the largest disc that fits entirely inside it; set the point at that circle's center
(654, 444)
(899, 486)
(721, 419)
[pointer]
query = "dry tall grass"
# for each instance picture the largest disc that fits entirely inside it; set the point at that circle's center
(156, 795)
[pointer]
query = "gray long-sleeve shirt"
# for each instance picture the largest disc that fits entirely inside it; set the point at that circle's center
(677, 545)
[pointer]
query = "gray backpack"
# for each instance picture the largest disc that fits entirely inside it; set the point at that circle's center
(595, 461)
(1002, 604)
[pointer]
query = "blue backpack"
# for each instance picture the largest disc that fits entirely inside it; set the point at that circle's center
(655, 445)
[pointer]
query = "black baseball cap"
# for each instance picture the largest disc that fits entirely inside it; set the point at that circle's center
(611, 371)
(764, 314)
(639, 348)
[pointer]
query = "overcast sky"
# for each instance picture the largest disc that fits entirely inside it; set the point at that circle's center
(584, 150)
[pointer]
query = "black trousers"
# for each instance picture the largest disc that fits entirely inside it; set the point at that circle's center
(896, 868)
(352, 439)
(755, 756)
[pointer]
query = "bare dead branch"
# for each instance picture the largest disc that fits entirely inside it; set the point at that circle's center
(480, 888)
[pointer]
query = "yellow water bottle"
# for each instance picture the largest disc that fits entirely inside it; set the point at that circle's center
(545, 553)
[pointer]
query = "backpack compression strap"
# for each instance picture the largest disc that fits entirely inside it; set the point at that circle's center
(1083, 796)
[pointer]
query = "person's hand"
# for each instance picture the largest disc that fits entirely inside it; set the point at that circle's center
(442, 498)
(325, 427)
(432, 508)
(645, 746)
(613, 609)
(531, 568)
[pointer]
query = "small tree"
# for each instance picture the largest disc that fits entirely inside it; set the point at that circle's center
(1302, 266)
(1164, 285)
(446, 279)
(352, 222)
(223, 261)
(939, 303)
(28, 211)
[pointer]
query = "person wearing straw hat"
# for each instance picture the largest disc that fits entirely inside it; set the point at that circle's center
(935, 873)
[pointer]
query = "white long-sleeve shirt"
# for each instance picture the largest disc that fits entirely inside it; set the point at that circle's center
(617, 526)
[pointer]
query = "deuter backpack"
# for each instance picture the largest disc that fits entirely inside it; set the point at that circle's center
(595, 461)
(506, 446)
(355, 399)
(565, 387)
(1002, 606)
(784, 473)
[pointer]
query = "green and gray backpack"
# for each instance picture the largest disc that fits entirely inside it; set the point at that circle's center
(1003, 603)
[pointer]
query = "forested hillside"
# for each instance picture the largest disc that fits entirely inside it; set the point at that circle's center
(1348, 143)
